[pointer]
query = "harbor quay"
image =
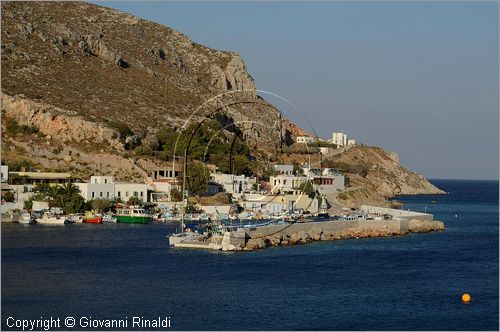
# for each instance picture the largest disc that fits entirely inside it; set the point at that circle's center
(247, 239)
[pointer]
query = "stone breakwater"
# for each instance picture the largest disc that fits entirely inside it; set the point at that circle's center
(302, 233)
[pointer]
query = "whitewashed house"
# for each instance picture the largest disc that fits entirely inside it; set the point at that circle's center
(234, 184)
(284, 169)
(286, 183)
(104, 187)
(305, 139)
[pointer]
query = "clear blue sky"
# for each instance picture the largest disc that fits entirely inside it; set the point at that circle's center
(420, 79)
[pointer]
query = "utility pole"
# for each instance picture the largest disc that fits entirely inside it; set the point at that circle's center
(281, 134)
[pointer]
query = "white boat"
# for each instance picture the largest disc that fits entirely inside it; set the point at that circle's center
(108, 218)
(27, 218)
(75, 218)
(49, 218)
(184, 237)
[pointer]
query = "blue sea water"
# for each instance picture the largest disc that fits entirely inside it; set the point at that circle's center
(412, 282)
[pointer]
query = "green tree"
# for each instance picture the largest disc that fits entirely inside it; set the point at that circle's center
(190, 208)
(8, 196)
(16, 166)
(134, 200)
(307, 188)
(55, 195)
(73, 204)
(101, 205)
(28, 204)
(175, 195)
(197, 178)
(117, 200)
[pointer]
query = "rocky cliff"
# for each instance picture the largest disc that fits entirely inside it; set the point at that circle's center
(377, 175)
(108, 67)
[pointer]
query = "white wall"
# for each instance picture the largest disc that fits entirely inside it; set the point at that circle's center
(305, 139)
(286, 182)
(4, 169)
(99, 179)
(339, 139)
(127, 190)
(241, 182)
(284, 169)
(95, 190)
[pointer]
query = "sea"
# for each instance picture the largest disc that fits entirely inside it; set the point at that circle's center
(107, 272)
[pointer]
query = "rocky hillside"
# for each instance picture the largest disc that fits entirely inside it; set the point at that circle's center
(79, 60)
(377, 175)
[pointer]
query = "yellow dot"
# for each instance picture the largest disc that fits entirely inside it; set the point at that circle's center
(466, 298)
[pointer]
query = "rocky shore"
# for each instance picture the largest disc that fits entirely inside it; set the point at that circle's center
(318, 233)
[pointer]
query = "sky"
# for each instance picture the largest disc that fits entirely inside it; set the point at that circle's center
(417, 78)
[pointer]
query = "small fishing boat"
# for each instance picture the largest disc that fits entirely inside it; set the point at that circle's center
(108, 218)
(49, 218)
(27, 218)
(184, 237)
(172, 217)
(92, 218)
(132, 216)
(75, 218)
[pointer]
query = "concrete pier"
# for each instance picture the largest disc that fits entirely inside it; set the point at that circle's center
(301, 233)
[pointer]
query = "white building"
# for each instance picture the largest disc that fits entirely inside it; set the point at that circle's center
(163, 188)
(325, 151)
(4, 170)
(286, 183)
(104, 187)
(305, 139)
(126, 190)
(234, 184)
(326, 180)
(276, 204)
(167, 173)
(284, 169)
(99, 187)
(339, 139)
(23, 183)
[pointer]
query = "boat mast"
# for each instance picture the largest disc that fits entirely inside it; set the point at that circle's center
(183, 191)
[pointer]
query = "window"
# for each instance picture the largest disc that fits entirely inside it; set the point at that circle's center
(142, 194)
(107, 194)
(105, 180)
(100, 194)
(136, 194)
(126, 194)
(93, 194)
(119, 194)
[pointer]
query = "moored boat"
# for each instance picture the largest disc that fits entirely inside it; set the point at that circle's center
(108, 218)
(184, 237)
(92, 218)
(27, 218)
(49, 218)
(132, 216)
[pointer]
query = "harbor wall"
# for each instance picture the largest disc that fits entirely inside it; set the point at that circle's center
(401, 214)
(392, 226)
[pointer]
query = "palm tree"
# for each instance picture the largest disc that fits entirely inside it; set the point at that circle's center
(70, 189)
(70, 198)
(54, 194)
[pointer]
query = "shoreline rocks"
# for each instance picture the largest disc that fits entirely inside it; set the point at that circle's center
(316, 233)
